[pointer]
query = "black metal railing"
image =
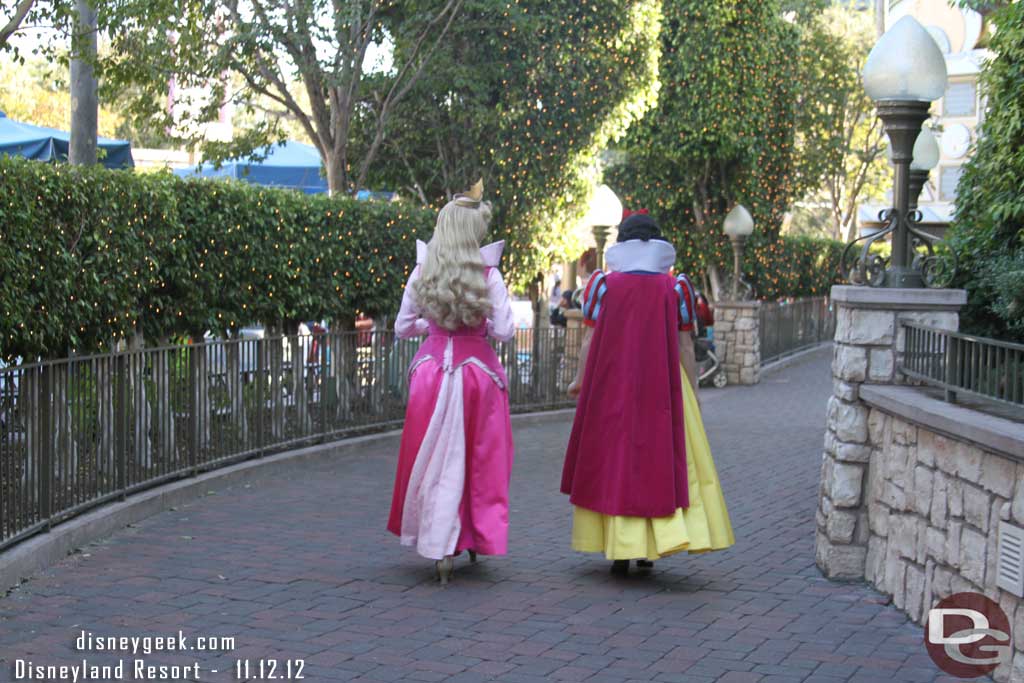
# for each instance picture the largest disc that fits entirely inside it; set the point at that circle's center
(957, 363)
(77, 432)
(790, 326)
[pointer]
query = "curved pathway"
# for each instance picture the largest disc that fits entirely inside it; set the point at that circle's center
(301, 568)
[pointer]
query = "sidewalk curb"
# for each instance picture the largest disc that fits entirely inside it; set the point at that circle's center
(46, 548)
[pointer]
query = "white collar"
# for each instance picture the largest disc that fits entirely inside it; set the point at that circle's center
(655, 256)
(490, 253)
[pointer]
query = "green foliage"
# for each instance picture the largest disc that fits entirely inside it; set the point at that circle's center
(526, 93)
(776, 267)
(723, 131)
(17, 16)
(840, 142)
(791, 266)
(988, 232)
(90, 255)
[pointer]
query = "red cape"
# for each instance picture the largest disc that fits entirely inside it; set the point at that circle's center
(627, 452)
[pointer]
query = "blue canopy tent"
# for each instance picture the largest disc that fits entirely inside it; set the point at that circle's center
(50, 144)
(292, 165)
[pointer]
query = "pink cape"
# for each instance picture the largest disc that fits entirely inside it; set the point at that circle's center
(627, 451)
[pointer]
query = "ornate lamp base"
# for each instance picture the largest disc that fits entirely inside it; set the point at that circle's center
(907, 267)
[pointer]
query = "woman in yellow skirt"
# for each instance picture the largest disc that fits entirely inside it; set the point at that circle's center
(638, 468)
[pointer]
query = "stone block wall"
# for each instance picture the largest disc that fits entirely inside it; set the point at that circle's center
(933, 505)
(867, 340)
(912, 489)
(738, 340)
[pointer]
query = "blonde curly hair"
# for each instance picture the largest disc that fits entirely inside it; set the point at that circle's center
(452, 289)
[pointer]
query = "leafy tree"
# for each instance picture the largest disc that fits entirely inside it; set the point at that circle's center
(840, 140)
(32, 91)
(267, 49)
(988, 231)
(526, 93)
(723, 129)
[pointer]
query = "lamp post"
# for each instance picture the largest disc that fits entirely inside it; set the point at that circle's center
(926, 157)
(738, 226)
(605, 212)
(904, 73)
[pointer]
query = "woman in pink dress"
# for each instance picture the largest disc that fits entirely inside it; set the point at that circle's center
(455, 461)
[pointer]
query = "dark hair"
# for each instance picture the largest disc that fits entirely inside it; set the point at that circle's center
(588, 261)
(639, 226)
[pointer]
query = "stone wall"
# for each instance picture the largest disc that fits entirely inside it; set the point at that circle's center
(913, 489)
(738, 340)
(933, 506)
(867, 339)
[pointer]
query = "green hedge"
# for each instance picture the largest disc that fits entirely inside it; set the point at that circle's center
(789, 266)
(89, 255)
(792, 266)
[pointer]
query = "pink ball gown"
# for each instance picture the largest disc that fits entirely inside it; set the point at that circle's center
(455, 459)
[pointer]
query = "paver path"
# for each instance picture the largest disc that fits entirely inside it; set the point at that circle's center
(302, 568)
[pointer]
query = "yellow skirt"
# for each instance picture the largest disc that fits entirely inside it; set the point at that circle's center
(699, 528)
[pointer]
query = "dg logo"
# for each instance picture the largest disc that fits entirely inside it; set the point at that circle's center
(968, 635)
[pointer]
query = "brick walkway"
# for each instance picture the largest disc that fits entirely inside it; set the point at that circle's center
(303, 569)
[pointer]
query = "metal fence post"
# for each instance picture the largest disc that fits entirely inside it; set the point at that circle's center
(952, 344)
(261, 391)
(194, 432)
(120, 424)
(43, 438)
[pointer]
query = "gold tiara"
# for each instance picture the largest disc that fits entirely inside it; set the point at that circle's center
(472, 197)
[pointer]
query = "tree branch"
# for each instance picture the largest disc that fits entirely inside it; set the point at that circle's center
(396, 93)
(20, 12)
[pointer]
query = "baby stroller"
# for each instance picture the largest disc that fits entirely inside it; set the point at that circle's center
(709, 368)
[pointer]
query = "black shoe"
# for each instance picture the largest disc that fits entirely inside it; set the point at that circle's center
(620, 567)
(645, 564)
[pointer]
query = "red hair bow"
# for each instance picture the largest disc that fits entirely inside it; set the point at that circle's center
(626, 213)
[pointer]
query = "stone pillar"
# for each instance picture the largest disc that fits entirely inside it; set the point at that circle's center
(868, 338)
(573, 337)
(738, 340)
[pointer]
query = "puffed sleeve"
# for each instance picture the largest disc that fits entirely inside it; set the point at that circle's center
(501, 325)
(410, 322)
(687, 302)
(593, 294)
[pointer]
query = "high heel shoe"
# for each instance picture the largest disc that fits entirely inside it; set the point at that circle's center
(472, 556)
(445, 568)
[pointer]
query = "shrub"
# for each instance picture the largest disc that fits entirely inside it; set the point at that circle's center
(788, 266)
(988, 232)
(90, 255)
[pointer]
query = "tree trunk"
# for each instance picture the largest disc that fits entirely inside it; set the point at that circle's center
(200, 387)
(337, 178)
(343, 367)
(30, 405)
(65, 446)
(235, 395)
(142, 424)
(298, 383)
(275, 348)
(103, 375)
(84, 88)
(165, 381)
